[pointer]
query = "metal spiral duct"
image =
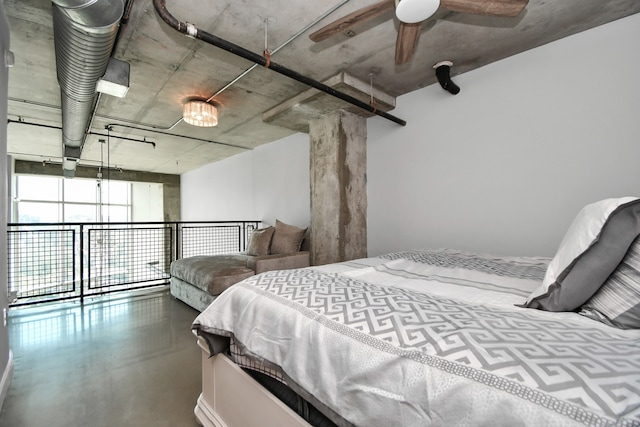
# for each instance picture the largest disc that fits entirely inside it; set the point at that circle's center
(84, 34)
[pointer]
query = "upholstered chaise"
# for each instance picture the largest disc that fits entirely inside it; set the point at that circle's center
(198, 280)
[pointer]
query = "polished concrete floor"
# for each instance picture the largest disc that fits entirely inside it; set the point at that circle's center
(118, 362)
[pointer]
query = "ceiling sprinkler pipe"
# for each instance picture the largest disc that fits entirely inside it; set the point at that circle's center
(194, 32)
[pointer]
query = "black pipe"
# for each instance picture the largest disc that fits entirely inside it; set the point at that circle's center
(112, 125)
(191, 31)
(22, 122)
(443, 74)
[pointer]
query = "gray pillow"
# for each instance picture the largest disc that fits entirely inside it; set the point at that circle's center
(260, 241)
(286, 238)
(617, 303)
(594, 245)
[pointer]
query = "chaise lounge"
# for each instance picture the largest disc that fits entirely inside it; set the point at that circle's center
(198, 280)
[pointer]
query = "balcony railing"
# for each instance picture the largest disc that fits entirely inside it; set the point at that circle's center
(59, 261)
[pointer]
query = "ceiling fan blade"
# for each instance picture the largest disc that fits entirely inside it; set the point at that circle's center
(486, 7)
(358, 17)
(407, 41)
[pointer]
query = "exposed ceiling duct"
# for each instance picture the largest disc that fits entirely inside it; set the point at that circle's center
(84, 34)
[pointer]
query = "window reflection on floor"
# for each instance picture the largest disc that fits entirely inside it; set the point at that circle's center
(143, 322)
(115, 362)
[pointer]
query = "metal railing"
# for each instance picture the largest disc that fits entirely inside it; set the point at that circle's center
(59, 261)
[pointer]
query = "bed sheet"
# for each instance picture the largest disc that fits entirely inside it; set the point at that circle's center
(432, 337)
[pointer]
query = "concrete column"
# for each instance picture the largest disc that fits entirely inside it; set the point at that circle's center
(338, 167)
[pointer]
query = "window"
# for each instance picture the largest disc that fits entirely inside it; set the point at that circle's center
(45, 199)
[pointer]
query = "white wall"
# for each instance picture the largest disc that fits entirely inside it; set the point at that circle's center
(502, 167)
(6, 360)
(269, 182)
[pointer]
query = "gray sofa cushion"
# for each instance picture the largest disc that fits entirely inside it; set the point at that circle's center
(286, 238)
(213, 274)
(260, 241)
(260, 264)
(190, 295)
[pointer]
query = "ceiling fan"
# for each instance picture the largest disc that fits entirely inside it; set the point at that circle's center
(411, 13)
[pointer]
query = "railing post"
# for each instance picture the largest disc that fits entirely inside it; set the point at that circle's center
(81, 257)
(178, 241)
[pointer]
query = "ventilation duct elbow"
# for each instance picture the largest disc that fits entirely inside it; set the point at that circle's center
(84, 35)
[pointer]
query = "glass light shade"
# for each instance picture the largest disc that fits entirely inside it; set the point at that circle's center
(200, 113)
(413, 11)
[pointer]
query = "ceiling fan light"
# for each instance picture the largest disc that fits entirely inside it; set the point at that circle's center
(413, 11)
(200, 113)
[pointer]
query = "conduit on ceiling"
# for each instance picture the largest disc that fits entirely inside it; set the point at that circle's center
(134, 125)
(192, 31)
(124, 138)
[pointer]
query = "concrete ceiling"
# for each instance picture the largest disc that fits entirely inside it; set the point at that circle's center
(167, 68)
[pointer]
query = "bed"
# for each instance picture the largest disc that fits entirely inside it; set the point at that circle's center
(437, 337)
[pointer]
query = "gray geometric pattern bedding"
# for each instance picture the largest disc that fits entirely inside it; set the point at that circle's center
(475, 263)
(479, 340)
(536, 367)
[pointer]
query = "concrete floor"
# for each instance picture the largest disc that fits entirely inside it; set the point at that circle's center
(118, 362)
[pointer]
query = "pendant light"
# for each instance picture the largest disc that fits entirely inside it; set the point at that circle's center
(200, 113)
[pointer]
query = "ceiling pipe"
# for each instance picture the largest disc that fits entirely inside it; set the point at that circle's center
(133, 124)
(192, 31)
(248, 70)
(124, 138)
(84, 36)
(110, 126)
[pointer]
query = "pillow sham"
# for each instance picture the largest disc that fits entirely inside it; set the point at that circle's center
(592, 248)
(286, 238)
(260, 241)
(617, 302)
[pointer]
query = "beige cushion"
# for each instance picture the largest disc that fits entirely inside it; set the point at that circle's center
(260, 264)
(260, 241)
(213, 273)
(228, 277)
(286, 238)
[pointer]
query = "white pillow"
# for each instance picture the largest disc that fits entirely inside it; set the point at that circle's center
(593, 246)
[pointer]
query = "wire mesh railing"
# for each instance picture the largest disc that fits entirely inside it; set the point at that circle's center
(41, 261)
(59, 261)
(214, 238)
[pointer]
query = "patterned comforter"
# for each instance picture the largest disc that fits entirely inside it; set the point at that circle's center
(432, 338)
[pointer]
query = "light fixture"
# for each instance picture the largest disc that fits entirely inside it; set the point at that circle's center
(115, 81)
(413, 11)
(200, 113)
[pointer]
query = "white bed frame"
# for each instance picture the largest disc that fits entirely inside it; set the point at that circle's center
(231, 398)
